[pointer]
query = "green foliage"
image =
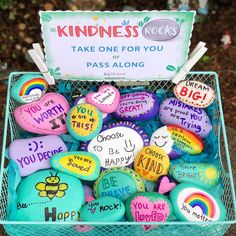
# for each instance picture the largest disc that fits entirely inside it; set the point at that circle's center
(6, 3)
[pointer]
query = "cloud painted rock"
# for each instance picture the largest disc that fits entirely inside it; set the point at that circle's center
(165, 184)
(46, 116)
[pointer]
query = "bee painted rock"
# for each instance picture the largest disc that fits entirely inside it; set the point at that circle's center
(83, 165)
(172, 111)
(46, 116)
(151, 163)
(117, 144)
(119, 182)
(34, 153)
(84, 121)
(193, 203)
(29, 88)
(205, 175)
(137, 106)
(177, 141)
(165, 184)
(48, 195)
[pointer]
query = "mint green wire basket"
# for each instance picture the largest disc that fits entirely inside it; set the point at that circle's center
(11, 132)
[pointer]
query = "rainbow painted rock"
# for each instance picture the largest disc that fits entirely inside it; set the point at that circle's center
(83, 165)
(193, 203)
(172, 111)
(119, 182)
(29, 88)
(165, 184)
(131, 140)
(137, 106)
(177, 141)
(46, 116)
(34, 154)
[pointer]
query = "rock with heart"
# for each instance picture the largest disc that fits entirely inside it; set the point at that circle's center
(103, 209)
(106, 99)
(119, 182)
(88, 192)
(165, 184)
(137, 106)
(177, 141)
(34, 154)
(130, 137)
(151, 163)
(83, 165)
(193, 203)
(46, 116)
(172, 111)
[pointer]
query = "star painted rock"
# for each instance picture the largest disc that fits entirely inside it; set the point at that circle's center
(165, 184)
(84, 121)
(131, 140)
(83, 165)
(137, 106)
(177, 141)
(119, 182)
(106, 99)
(46, 116)
(172, 111)
(151, 163)
(193, 203)
(34, 153)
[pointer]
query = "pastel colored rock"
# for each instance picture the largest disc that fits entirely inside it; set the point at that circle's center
(177, 141)
(84, 121)
(129, 137)
(88, 194)
(119, 182)
(172, 111)
(194, 93)
(48, 195)
(34, 154)
(103, 209)
(46, 116)
(148, 207)
(83, 165)
(165, 184)
(193, 203)
(29, 88)
(106, 99)
(151, 163)
(137, 106)
(205, 175)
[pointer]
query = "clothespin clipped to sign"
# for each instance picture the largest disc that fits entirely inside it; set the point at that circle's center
(194, 57)
(39, 59)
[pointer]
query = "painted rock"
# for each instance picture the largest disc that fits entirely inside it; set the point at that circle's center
(83, 165)
(88, 192)
(137, 106)
(34, 154)
(46, 116)
(119, 182)
(173, 111)
(84, 121)
(194, 93)
(193, 203)
(106, 99)
(148, 207)
(151, 163)
(48, 195)
(177, 141)
(29, 88)
(103, 209)
(165, 184)
(129, 137)
(205, 175)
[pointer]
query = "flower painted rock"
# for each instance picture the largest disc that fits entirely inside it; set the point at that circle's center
(172, 111)
(29, 88)
(84, 121)
(120, 182)
(137, 106)
(46, 116)
(83, 165)
(151, 163)
(165, 184)
(34, 154)
(177, 141)
(103, 209)
(193, 203)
